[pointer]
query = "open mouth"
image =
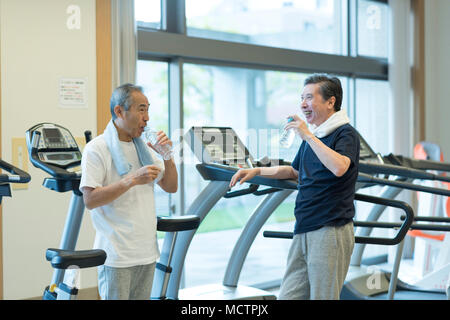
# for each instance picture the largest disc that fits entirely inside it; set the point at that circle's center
(307, 114)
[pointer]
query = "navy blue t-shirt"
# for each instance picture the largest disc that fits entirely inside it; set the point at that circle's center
(324, 199)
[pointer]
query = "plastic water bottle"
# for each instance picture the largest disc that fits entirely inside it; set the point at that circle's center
(150, 135)
(287, 136)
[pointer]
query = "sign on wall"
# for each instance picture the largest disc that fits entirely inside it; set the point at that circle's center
(73, 93)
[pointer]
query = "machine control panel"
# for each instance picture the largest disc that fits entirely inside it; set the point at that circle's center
(366, 153)
(219, 145)
(56, 145)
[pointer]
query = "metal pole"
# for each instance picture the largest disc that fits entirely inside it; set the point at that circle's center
(71, 231)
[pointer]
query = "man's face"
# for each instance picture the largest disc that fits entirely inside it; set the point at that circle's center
(136, 117)
(314, 108)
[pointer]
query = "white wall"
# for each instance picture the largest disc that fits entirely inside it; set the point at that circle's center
(437, 81)
(37, 49)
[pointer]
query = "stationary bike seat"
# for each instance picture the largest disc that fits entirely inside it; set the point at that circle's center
(63, 259)
(178, 223)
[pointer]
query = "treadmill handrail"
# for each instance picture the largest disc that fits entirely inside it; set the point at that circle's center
(414, 226)
(17, 175)
(430, 219)
(430, 165)
(402, 231)
(218, 172)
(251, 189)
(421, 164)
(367, 178)
(378, 168)
(404, 227)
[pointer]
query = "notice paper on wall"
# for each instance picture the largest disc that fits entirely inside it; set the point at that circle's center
(72, 93)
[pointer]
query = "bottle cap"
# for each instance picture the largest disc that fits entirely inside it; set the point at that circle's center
(290, 119)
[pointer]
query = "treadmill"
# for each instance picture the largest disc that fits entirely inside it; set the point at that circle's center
(404, 170)
(221, 153)
(396, 177)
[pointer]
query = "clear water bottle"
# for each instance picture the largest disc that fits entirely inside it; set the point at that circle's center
(287, 136)
(151, 135)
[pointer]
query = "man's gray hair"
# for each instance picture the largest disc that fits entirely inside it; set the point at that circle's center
(121, 96)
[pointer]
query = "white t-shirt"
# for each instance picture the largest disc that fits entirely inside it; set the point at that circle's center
(126, 227)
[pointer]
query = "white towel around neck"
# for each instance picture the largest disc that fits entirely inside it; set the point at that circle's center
(336, 120)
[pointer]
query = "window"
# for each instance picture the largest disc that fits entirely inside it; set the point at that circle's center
(372, 113)
(297, 24)
(261, 101)
(372, 121)
(148, 13)
(372, 29)
(153, 77)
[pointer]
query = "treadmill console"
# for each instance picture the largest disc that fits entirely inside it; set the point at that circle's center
(55, 145)
(219, 145)
(366, 153)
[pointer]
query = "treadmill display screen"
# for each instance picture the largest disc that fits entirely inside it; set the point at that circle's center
(218, 145)
(53, 136)
(366, 152)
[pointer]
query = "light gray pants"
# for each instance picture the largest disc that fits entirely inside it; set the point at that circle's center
(132, 283)
(317, 264)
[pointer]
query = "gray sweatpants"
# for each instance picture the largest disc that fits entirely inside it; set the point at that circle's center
(317, 264)
(132, 283)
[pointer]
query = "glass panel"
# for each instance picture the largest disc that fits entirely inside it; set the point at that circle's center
(373, 27)
(148, 13)
(310, 25)
(153, 77)
(372, 113)
(372, 122)
(261, 99)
